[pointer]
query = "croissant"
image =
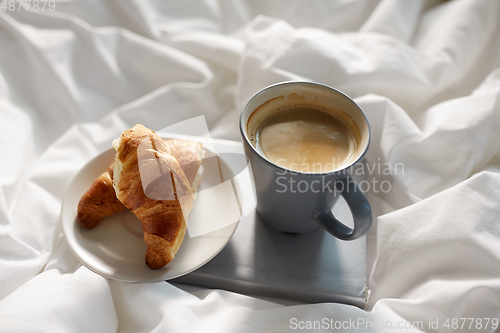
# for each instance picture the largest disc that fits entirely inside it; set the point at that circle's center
(100, 199)
(149, 181)
(189, 155)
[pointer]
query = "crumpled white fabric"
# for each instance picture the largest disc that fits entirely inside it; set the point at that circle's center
(426, 73)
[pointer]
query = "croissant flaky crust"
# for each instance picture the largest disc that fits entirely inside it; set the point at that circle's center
(189, 154)
(156, 181)
(99, 201)
(149, 181)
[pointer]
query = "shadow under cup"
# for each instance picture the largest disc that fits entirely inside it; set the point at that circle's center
(299, 202)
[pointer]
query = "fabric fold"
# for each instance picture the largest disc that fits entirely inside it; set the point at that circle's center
(427, 75)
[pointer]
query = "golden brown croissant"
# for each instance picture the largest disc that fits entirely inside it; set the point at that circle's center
(149, 181)
(189, 154)
(100, 199)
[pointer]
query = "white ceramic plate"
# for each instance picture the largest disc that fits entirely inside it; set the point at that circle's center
(116, 249)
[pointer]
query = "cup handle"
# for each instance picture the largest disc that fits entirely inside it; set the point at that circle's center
(360, 210)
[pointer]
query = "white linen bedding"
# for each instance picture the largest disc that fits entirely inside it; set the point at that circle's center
(426, 73)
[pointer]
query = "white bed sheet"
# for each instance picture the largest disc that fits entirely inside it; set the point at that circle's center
(426, 74)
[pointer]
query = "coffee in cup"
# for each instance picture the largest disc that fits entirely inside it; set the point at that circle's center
(302, 140)
(302, 135)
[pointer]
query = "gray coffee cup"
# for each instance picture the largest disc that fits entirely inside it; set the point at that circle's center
(310, 204)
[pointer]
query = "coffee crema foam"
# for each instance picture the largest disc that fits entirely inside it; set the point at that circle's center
(304, 136)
